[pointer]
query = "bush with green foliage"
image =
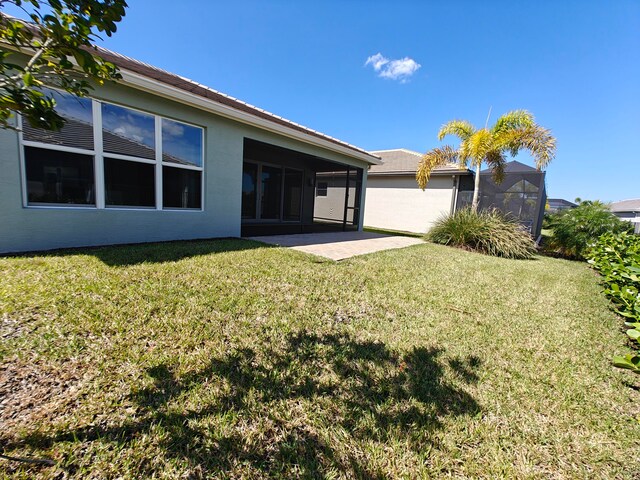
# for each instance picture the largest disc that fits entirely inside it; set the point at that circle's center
(486, 231)
(617, 258)
(576, 229)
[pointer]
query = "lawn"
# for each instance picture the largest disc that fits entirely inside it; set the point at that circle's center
(230, 359)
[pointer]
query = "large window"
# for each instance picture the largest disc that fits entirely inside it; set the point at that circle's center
(78, 129)
(130, 184)
(61, 178)
(181, 188)
(109, 156)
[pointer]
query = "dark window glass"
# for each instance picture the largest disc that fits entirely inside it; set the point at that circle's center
(271, 188)
(78, 129)
(128, 132)
(130, 184)
(181, 143)
(292, 195)
(249, 184)
(181, 188)
(321, 189)
(59, 177)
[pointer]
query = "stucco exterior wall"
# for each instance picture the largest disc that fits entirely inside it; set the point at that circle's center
(331, 207)
(397, 203)
(40, 228)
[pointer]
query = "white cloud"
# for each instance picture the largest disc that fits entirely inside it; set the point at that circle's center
(400, 69)
(377, 61)
(173, 129)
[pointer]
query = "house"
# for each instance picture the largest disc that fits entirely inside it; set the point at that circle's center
(158, 157)
(628, 210)
(395, 202)
(559, 204)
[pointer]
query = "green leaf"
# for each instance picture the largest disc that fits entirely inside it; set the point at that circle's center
(628, 362)
(27, 78)
(633, 334)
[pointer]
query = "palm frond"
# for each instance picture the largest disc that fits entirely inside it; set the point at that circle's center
(496, 161)
(479, 145)
(460, 128)
(432, 159)
(516, 119)
(538, 140)
(541, 143)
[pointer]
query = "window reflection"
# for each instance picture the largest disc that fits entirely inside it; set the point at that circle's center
(249, 186)
(78, 129)
(181, 143)
(128, 132)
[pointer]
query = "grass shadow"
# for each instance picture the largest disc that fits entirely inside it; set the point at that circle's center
(363, 389)
(156, 252)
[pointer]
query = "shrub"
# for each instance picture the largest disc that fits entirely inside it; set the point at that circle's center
(486, 231)
(617, 258)
(574, 230)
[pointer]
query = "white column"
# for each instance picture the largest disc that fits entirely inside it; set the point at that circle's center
(158, 162)
(98, 157)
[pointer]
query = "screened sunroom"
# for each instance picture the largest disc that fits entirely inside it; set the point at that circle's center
(522, 194)
(285, 191)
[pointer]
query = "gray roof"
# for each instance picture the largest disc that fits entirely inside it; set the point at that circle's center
(513, 167)
(401, 161)
(631, 205)
(561, 201)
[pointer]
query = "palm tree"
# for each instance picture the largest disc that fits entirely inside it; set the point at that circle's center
(512, 132)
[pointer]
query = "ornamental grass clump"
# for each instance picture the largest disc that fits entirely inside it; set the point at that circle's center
(487, 231)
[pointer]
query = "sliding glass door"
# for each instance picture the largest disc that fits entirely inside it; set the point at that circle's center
(271, 193)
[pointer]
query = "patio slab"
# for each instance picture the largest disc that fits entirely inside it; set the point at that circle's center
(339, 245)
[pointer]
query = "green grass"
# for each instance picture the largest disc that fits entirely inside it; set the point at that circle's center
(401, 233)
(230, 359)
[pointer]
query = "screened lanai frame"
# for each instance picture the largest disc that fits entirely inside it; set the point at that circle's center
(343, 191)
(521, 194)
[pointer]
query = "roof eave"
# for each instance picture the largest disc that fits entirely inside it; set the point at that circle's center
(141, 82)
(408, 172)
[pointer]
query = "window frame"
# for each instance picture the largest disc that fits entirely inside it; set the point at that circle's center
(324, 189)
(99, 155)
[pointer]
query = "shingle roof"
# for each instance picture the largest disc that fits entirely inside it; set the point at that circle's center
(513, 167)
(187, 85)
(561, 201)
(631, 205)
(401, 161)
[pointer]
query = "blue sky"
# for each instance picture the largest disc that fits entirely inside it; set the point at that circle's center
(574, 64)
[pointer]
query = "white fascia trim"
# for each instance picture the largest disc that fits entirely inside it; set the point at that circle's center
(158, 88)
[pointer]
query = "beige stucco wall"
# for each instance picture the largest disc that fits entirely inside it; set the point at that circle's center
(331, 207)
(397, 203)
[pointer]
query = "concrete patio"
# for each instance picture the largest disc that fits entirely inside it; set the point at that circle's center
(339, 245)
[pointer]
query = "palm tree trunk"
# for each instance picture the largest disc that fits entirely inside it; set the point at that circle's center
(476, 189)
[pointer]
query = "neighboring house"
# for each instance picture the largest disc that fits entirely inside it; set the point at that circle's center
(394, 201)
(628, 210)
(159, 157)
(559, 204)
